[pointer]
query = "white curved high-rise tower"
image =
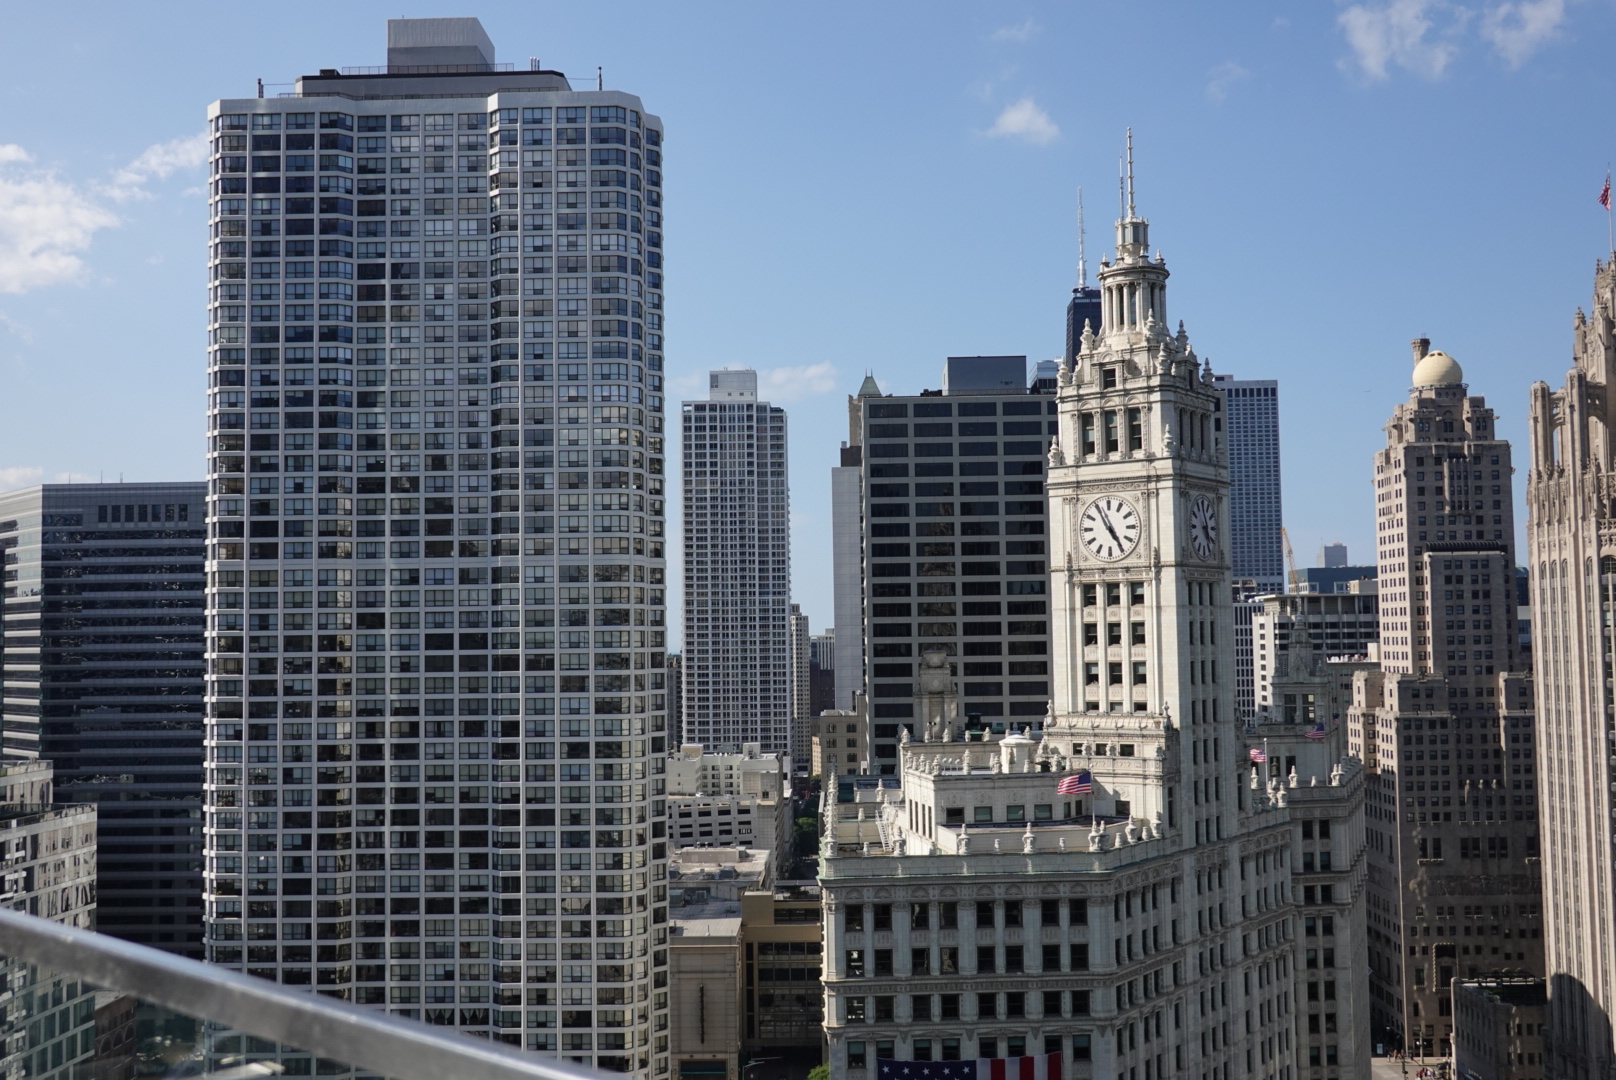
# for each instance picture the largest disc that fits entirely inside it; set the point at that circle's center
(436, 709)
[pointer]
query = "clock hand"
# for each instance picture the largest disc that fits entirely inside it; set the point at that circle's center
(1105, 519)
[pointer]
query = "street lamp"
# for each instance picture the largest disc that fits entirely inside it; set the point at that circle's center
(755, 1062)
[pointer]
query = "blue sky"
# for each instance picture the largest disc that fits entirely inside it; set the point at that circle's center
(864, 186)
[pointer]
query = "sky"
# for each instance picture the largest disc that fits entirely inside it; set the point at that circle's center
(858, 187)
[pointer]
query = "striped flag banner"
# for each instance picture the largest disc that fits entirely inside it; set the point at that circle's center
(1077, 784)
(1037, 1067)
(1258, 754)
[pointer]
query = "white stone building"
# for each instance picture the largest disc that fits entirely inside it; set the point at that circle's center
(741, 800)
(1446, 725)
(436, 468)
(1571, 554)
(738, 647)
(1148, 927)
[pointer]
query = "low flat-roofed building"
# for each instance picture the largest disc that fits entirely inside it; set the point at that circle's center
(1498, 1028)
(783, 954)
(705, 973)
(703, 874)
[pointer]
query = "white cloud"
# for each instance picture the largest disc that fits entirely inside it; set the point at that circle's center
(18, 329)
(793, 383)
(1517, 30)
(157, 162)
(686, 387)
(1221, 79)
(1404, 33)
(1018, 33)
(18, 476)
(1026, 121)
(48, 222)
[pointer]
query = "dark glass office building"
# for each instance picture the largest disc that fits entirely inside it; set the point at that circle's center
(102, 645)
(954, 545)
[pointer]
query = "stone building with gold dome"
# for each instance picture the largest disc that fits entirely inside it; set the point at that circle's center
(1445, 726)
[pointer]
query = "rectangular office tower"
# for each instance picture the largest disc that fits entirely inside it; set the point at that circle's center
(1251, 426)
(947, 530)
(436, 494)
(738, 640)
(103, 651)
(1445, 726)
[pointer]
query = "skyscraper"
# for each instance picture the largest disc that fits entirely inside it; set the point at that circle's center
(1573, 570)
(1250, 422)
(436, 461)
(847, 550)
(1104, 884)
(103, 651)
(801, 687)
(1445, 726)
(737, 537)
(951, 546)
(822, 671)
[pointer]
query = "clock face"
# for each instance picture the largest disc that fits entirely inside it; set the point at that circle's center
(1109, 528)
(1203, 527)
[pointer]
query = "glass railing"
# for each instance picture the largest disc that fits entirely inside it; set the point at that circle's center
(76, 1005)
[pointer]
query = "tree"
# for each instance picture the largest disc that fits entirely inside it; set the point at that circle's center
(819, 1072)
(806, 835)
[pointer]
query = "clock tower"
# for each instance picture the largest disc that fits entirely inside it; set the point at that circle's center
(1142, 622)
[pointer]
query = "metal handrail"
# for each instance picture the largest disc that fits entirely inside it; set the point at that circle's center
(360, 1037)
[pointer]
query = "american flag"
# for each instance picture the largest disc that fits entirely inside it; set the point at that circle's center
(1040, 1067)
(1258, 755)
(1604, 194)
(1077, 784)
(1319, 731)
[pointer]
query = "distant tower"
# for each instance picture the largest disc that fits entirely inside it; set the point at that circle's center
(1084, 306)
(1250, 424)
(801, 688)
(737, 648)
(1450, 669)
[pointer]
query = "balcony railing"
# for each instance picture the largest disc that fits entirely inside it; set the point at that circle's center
(230, 1004)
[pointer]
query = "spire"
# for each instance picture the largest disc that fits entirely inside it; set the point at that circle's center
(1131, 215)
(1133, 231)
(1133, 286)
(1082, 254)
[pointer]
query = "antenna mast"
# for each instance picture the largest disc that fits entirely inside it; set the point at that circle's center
(1082, 256)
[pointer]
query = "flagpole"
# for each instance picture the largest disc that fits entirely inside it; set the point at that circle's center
(1610, 225)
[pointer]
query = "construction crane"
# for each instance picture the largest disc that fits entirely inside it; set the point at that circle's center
(1290, 561)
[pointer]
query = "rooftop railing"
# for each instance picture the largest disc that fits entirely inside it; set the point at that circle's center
(242, 1020)
(427, 69)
